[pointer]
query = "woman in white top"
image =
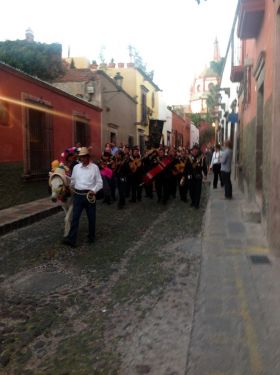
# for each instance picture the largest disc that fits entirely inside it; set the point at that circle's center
(216, 165)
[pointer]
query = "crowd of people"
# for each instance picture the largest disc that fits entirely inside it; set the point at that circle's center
(122, 174)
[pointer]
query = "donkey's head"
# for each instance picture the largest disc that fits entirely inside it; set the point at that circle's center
(57, 187)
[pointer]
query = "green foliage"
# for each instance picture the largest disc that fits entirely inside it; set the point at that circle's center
(197, 118)
(37, 59)
(217, 66)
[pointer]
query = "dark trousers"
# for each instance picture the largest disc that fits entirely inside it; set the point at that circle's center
(195, 191)
(80, 202)
(227, 184)
(162, 189)
(121, 184)
(217, 174)
(136, 189)
(149, 190)
(183, 189)
(173, 181)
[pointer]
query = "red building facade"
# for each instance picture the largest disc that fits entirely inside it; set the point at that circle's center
(180, 131)
(38, 121)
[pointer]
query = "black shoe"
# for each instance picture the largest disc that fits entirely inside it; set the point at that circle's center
(67, 242)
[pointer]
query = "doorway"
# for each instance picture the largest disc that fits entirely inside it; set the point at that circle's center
(38, 142)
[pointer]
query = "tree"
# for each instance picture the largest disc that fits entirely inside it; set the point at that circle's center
(139, 62)
(197, 118)
(217, 66)
(37, 59)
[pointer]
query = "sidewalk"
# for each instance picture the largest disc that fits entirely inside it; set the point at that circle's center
(26, 214)
(236, 328)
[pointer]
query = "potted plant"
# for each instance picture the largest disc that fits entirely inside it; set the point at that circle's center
(94, 64)
(112, 64)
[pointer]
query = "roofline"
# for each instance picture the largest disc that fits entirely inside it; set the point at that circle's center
(148, 78)
(112, 81)
(21, 74)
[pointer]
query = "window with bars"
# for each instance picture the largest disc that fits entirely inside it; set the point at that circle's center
(4, 113)
(81, 132)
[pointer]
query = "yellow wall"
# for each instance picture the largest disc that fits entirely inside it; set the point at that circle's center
(132, 82)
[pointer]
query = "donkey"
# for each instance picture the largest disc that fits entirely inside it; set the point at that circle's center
(59, 183)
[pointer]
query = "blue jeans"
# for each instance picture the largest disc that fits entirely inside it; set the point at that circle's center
(80, 202)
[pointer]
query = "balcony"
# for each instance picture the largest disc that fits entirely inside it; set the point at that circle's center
(236, 74)
(251, 14)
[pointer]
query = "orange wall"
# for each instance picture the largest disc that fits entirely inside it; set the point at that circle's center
(183, 127)
(251, 49)
(12, 85)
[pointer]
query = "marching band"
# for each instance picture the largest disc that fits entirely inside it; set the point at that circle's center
(162, 171)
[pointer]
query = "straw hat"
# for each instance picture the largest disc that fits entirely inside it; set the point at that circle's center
(84, 151)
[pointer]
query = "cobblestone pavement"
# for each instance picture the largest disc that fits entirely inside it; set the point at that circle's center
(123, 305)
(236, 328)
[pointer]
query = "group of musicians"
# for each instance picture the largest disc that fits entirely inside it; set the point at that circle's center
(162, 170)
(122, 169)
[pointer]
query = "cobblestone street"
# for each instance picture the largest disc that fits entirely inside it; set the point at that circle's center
(122, 305)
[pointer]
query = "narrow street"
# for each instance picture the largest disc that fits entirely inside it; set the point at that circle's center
(123, 305)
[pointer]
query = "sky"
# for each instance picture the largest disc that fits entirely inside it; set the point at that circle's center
(175, 38)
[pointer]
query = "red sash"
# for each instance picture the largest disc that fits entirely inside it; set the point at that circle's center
(156, 170)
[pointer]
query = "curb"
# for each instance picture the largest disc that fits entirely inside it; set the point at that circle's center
(25, 221)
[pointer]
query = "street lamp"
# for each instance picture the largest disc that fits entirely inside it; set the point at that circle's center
(118, 81)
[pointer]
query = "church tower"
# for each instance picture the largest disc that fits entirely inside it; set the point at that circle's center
(217, 56)
(29, 36)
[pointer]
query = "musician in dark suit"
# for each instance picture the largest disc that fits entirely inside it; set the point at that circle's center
(194, 170)
(136, 175)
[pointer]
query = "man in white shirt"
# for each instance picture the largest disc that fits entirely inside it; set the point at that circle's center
(86, 182)
(216, 165)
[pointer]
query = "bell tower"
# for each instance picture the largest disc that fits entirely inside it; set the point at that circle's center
(217, 56)
(29, 36)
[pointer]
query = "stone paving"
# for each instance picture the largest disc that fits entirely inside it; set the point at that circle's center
(141, 301)
(236, 325)
(111, 307)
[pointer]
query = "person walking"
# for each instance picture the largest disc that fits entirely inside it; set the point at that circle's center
(216, 166)
(226, 160)
(86, 181)
(195, 169)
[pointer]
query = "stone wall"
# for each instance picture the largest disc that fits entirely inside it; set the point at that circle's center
(249, 158)
(248, 176)
(267, 156)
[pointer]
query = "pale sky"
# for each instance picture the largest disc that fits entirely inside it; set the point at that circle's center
(174, 37)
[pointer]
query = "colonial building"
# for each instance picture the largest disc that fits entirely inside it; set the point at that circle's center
(38, 121)
(180, 130)
(98, 88)
(140, 86)
(255, 67)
